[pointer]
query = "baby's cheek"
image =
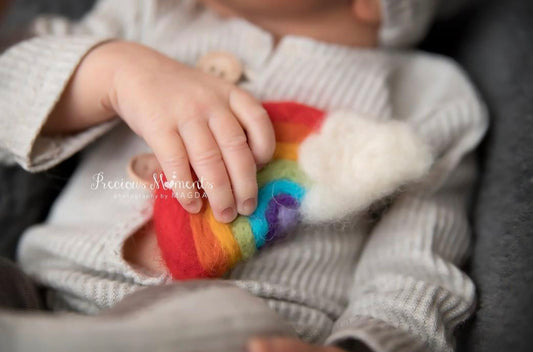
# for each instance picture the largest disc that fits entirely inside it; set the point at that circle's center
(142, 252)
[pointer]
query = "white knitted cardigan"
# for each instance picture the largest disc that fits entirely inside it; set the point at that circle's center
(394, 284)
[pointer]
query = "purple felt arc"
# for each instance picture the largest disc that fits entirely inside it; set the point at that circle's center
(282, 215)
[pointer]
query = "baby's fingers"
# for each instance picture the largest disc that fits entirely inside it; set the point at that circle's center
(169, 149)
(255, 121)
(238, 159)
(285, 344)
(206, 160)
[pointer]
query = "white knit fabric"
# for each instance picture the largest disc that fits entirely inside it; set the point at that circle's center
(394, 285)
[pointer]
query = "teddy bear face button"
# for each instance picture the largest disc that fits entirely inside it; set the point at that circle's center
(142, 167)
(223, 65)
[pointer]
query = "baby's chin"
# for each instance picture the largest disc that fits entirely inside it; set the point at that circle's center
(331, 21)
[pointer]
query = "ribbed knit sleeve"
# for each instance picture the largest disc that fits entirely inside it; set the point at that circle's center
(35, 72)
(33, 75)
(408, 292)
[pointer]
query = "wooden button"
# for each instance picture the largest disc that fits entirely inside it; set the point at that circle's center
(142, 167)
(223, 65)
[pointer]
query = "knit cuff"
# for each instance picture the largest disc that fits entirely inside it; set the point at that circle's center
(34, 75)
(376, 335)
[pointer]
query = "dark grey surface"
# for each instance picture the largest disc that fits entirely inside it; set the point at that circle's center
(24, 10)
(25, 199)
(494, 42)
(498, 52)
(18, 291)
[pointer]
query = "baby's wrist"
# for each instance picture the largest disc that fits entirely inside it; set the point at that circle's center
(117, 57)
(133, 67)
(87, 95)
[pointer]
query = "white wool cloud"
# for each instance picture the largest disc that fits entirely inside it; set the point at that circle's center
(355, 161)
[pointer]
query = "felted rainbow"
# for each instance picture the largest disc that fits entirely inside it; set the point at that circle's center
(197, 246)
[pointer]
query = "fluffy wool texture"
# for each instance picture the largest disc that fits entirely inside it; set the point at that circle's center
(325, 167)
(355, 161)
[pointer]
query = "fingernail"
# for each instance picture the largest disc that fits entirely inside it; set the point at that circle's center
(228, 214)
(193, 206)
(248, 206)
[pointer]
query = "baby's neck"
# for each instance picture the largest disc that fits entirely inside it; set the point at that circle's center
(336, 26)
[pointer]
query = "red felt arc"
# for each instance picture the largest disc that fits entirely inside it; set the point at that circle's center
(175, 237)
(294, 113)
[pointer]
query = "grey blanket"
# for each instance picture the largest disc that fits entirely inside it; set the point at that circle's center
(494, 42)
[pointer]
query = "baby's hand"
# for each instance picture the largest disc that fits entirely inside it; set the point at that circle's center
(192, 119)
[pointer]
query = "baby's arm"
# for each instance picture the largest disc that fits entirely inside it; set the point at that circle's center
(35, 72)
(185, 116)
(188, 118)
(408, 293)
